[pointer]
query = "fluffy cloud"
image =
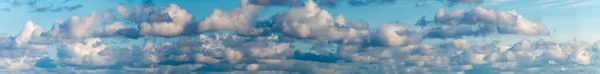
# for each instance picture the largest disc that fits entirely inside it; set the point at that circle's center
(85, 53)
(396, 35)
(22, 63)
(336, 45)
(74, 28)
(122, 10)
(30, 32)
(311, 22)
(483, 22)
(177, 19)
(241, 20)
(110, 29)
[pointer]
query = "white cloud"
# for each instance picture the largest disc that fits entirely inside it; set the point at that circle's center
(122, 10)
(581, 57)
(74, 28)
(233, 56)
(177, 20)
(312, 22)
(85, 53)
(241, 20)
(30, 32)
(18, 64)
(523, 45)
(483, 22)
(252, 67)
(395, 35)
(109, 30)
(206, 59)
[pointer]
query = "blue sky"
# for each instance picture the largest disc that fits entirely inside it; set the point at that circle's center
(162, 47)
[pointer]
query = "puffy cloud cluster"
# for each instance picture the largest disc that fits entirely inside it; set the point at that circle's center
(241, 20)
(314, 23)
(85, 54)
(396, 35)
(176, 21)
(336, 45)
(482, 22)
(74, 28)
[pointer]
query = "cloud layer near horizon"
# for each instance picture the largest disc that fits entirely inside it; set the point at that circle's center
(336, 45)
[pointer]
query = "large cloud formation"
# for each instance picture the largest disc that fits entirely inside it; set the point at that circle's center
(241, 20)
(335, 45)
(315, 23)
(482, 22)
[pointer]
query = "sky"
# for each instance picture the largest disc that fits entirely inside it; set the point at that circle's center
(299, 36)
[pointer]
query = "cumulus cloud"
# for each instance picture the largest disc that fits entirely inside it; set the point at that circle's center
(174, 25)
(85, 53)
(30, 32)
(483, 22)
(311, 22)
(523, 45)
(22, 63)
(241, 20)
(396, 35)
(336, 45)
(581, 57)
(74, 28)
(122, 10)
(110, 29)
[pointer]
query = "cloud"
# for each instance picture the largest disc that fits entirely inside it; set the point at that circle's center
(73, 29)
(241, 20)
(311, 22)
(396, 35)
(174, 26)
(123, 11)
(84, 54)
(22, 63)
(483, 22)
(30, 32)
(335, 45)
(110, 29)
